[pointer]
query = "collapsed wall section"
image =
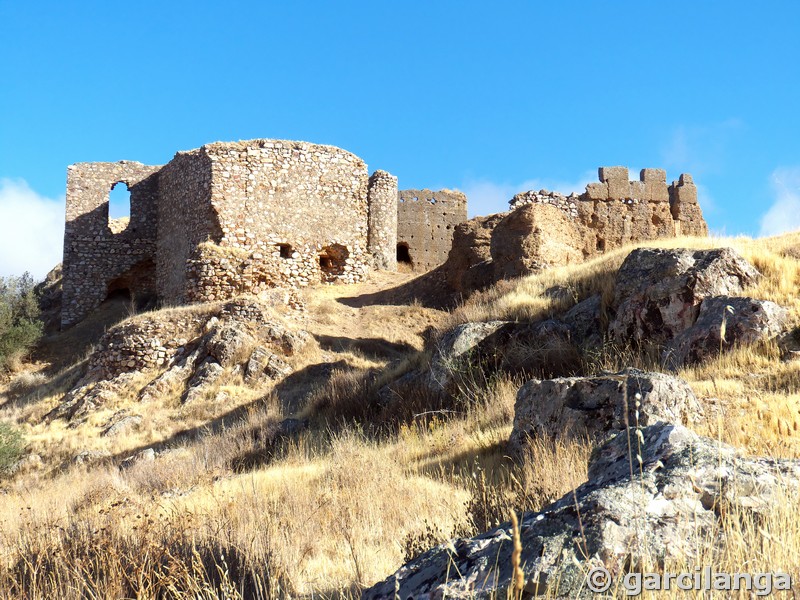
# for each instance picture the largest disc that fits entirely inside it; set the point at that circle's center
(425, 224)
(103, 256)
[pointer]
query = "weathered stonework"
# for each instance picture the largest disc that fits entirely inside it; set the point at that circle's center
(382, 239)
(425, 224)
(616, 211)
(101, 256)
(227, 219)
(545, 229)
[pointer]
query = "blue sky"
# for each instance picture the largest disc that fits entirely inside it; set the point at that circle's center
(489, 98)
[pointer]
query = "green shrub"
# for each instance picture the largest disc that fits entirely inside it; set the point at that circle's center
(11, 446)
(20, 325)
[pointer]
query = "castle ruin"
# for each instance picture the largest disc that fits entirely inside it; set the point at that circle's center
(225, 219)
(425, 224)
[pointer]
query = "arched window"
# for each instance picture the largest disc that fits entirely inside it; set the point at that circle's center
(119, 207)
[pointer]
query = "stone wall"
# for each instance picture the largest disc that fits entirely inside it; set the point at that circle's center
(227, 218)
(102, 256)
(301, 209)
(383, 208)
(425, 224)
(186, 219)
(546, 229)
(615, 211)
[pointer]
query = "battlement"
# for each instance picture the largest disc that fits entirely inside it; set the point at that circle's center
(616, 211)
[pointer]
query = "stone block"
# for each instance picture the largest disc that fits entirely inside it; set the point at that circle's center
(608, 174)
(653, 176)
(619, 189)
(597, 191)
(638, 190)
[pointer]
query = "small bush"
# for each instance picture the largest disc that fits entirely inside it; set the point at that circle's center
(11, 446)
(20, 325)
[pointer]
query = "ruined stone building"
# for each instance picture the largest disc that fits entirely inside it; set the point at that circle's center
(545, 229)
(224, 219)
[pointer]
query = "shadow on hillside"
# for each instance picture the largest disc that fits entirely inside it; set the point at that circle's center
(375, 348)
(292, 392)
(64, 347)
(430, 289)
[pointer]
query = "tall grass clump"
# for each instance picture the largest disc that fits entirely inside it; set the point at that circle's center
(11, 446)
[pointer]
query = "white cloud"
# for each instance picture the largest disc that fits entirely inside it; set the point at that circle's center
(31, 230)
(784, 214)
(486, 197)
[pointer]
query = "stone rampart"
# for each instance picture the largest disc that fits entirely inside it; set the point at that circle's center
(425, 224)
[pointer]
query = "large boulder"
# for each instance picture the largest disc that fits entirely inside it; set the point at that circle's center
(745, 321)
(628, 513)
(601, 406)
(658, 292)
(538, 347)
(534, 237)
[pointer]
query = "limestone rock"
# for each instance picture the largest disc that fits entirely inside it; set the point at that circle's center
(584, 322)
(146, 455)
(671, 501)
(658, 292)
(601, 406)
(228, 343)
(206, 375)
(121, 425)
(453, 350)
(265, 364)
(746, 321)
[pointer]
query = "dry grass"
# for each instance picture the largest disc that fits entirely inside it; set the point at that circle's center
(230, 509)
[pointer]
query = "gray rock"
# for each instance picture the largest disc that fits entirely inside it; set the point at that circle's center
(207, 374)
(265, 364)
(601, 406)
(121, 425)
(746, 321)
(88, 457)
(146, 455)
(584, 322)
(658, 292)
(616, 518)
(480, 348)
(453, 351)
(227, 343)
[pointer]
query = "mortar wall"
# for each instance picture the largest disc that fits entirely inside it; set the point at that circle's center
(425, 224)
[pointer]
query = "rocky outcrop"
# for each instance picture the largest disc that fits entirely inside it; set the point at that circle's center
(600, 407)
(682, 301)
(724, 322)
(514, 348)
(657, 293)
(627, 514)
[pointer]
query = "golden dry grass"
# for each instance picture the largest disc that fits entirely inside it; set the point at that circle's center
(233, 511)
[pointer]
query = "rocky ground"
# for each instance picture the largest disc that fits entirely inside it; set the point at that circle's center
(639, 411)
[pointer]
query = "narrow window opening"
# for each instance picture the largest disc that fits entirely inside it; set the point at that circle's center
(119, 207)
(286, 250)
(404, 254)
